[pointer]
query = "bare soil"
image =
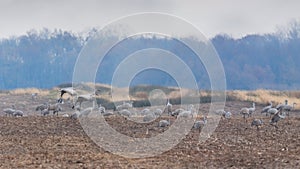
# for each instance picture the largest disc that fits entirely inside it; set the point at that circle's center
(35, 141)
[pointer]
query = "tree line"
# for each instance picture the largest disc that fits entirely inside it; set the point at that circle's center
(45, 59)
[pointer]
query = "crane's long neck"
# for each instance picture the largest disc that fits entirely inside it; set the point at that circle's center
(204, 120)
(190, 108)
(94, 104)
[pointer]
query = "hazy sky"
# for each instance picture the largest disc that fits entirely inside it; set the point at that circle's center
(235, 17)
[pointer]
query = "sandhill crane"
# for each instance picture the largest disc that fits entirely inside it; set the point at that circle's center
(157, 112)
(227, 115)
(220, 112)
(101, 109)
(276, 118)
(34, 96)
(252, 109)
(272, 111)
(223, 113)
(185, 114)
(149, 117)
(257, 123)
(70, 90)
(164, 123)
(176, 112)
(45, 112)
(245, 112)
(126, 113)
(9, 111)
(125, 105)
(200, 123)
(18, 113)
(83, 98)
(65, 115)
(169, 107)
(55, 108)
(280, 105)
(265, 109)
(190, 112)
(288, 108)
(145, 112)
(41, 107)
(75, 115)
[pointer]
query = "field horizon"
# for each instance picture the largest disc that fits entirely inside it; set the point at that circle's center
(142, 92)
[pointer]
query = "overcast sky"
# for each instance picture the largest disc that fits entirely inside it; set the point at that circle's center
(234, 17)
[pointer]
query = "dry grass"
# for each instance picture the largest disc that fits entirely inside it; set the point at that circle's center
(26, 91)
(259, 96)
(264, 96)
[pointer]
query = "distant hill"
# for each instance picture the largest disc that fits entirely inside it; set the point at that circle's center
(45, 59)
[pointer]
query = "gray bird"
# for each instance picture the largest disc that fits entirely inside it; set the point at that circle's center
(70, 90)
(200, 123)
(257, 123)
(288, 108)
(276, 118)
(164, 123)
(265, 109)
